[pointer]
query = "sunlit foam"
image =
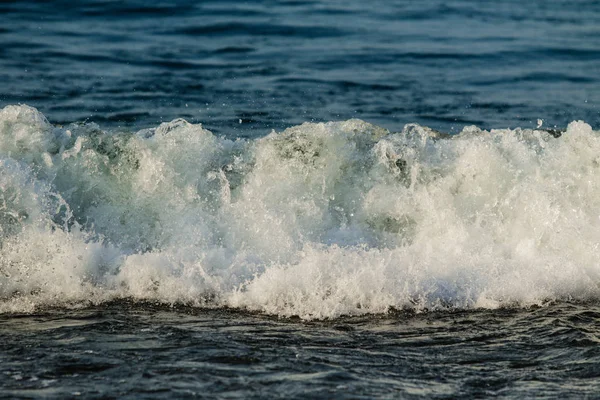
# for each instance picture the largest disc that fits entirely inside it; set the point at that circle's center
(319, 220)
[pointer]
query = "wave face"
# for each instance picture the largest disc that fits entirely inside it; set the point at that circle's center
(317, 221)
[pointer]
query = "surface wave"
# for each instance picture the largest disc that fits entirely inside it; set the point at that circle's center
(317, 221)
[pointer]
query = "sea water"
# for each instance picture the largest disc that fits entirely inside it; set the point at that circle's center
(299, 199)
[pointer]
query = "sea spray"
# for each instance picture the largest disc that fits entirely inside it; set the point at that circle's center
(318, 221)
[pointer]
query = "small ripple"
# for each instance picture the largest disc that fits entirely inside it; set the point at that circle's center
(541, 77)
(234, 50)
(128, 117)
(234, 360)
(342, 84)
(252, 29)
(141, 9)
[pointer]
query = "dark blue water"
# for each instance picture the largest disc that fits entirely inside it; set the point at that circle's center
(125, 351)
(243, 68)
(273, 64)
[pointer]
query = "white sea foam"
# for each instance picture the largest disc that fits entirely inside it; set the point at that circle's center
(318, 221)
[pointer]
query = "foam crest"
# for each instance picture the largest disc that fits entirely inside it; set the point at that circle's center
(318, 221)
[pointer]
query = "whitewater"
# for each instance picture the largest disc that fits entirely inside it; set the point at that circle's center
(318, 221)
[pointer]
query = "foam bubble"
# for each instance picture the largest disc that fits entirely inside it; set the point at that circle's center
(318, 221)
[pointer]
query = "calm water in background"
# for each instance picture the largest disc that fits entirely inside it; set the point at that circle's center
(244, 68)
(273, 64)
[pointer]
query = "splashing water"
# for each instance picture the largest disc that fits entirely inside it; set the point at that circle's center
(318, 221)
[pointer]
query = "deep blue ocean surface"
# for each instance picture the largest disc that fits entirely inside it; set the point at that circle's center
(273, 64)
(299, 199)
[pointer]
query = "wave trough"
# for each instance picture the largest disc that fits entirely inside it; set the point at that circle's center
(318, 221)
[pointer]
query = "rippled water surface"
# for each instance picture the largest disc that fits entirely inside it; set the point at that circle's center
(123, 350)
(273, 64)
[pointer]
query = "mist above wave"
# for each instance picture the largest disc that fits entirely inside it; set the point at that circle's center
(318, 221)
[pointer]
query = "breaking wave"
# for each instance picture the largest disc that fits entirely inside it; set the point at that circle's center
(317, 221)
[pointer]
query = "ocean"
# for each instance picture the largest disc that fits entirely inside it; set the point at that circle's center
(299, 199)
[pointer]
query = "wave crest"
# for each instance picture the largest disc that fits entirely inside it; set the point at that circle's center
(317, 221)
